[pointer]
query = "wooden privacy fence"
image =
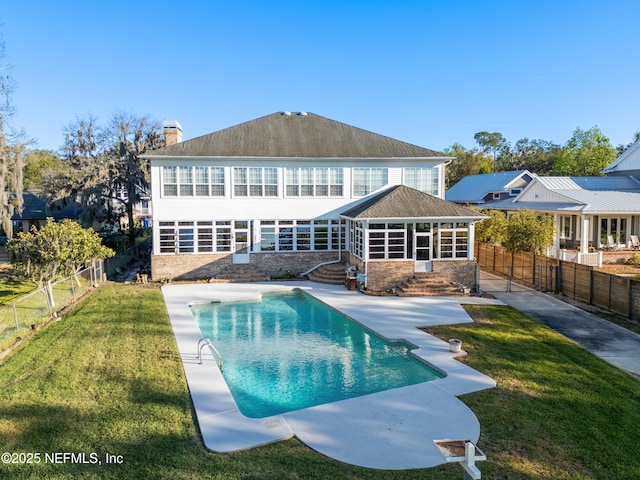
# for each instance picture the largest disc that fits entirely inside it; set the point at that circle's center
(580, 282)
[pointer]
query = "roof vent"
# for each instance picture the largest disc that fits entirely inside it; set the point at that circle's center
(286, 114)
(303, 114)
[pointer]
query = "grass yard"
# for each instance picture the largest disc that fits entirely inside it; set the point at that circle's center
(107, 379)
(11, 290)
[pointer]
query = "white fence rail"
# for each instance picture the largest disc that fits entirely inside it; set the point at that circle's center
(593, 259)
(29, 311)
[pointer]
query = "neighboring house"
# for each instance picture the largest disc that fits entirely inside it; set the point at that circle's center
(289, 191)
(141, 209)
(484, 189)
(587, 209)
(35, 212)
(627, 164)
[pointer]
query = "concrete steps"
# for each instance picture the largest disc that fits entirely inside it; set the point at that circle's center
(332, 274)
(427, 284)
(239, 273)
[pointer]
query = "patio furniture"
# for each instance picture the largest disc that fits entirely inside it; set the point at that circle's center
(611, 244)
(635, 242)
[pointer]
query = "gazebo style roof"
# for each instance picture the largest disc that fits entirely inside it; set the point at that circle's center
(402, 202)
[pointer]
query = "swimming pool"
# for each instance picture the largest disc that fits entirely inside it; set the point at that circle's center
(290, 351)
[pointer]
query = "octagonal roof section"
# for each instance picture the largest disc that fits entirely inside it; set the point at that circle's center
(400, 201)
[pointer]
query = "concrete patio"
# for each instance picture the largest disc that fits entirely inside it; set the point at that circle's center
(394, 429)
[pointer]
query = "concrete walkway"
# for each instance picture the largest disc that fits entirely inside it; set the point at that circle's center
(612, 343)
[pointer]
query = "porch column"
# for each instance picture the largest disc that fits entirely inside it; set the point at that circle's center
(471, 239)
(556, 237)
(585, 220)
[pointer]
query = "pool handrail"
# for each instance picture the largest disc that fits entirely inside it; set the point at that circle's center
(205, 342)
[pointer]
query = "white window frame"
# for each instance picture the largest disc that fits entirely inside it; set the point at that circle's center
(311, 181)
(425, 179)
(255, 182)
(183, 180)
(193, 237)
(369, 182)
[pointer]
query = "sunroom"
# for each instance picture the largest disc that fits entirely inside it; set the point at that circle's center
(402, 231)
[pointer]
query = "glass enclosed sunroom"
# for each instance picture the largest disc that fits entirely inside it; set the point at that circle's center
(403, 231)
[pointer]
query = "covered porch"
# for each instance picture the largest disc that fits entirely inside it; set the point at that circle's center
(582, 238)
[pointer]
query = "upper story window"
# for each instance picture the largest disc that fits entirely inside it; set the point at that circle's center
(368, 179)
(255, 182)
(423, 179)
(314, 182)
(170, 181)
(193, 181)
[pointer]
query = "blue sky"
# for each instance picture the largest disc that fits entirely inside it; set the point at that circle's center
(427, 72)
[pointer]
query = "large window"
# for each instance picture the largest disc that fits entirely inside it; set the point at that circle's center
(195, 237)
(255, 182)
(394, 241)
(367, 180)
(565, 227)
(314, 182)
(193, 181)
(170, 181)
(387, 241)
(614, 227)
(301, 235)
(453, 240)
(423, 179)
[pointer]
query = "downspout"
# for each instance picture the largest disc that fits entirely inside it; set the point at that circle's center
(329, 262)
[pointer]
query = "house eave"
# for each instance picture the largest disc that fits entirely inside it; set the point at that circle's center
(253, 158)
(413, 219)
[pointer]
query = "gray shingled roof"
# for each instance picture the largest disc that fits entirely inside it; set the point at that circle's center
(295, 136)
(401, 201)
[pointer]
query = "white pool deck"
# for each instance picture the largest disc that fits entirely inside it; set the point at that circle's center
(393, 430)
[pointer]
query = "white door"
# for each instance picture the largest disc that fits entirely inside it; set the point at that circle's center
(241, 242)
(422, 252)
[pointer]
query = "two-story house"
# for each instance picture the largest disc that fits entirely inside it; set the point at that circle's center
(289, 191)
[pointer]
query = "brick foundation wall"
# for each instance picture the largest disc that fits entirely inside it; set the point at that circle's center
(277, 265)
(459, 271)
(205, 266)
(383, 276)
(188, 267)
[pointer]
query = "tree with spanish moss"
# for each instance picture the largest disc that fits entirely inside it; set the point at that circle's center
(12, 147)
(104, 162)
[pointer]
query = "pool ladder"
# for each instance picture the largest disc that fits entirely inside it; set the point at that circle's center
(205, 342)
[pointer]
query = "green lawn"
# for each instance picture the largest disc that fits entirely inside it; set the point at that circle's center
(108, 379)
(11, 290)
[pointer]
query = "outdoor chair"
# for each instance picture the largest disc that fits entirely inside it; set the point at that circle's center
(611, 245)
(635, 242)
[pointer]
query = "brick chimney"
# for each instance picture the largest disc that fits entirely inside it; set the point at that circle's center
(172, 132)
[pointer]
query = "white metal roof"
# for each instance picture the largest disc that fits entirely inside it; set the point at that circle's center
(473, 188)
(580, 194)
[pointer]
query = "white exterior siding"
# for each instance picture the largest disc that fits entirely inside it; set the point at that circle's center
(535, 192)
(231, 207)
(192, 208)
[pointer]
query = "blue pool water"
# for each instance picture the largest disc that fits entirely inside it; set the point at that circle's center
(290, 351)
